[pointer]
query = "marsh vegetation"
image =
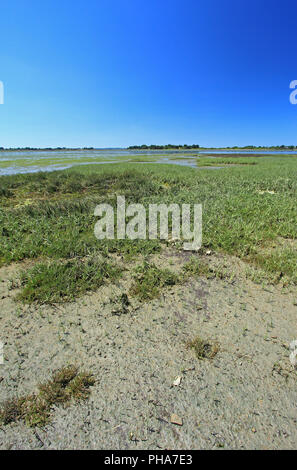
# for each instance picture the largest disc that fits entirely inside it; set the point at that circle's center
(249, 211)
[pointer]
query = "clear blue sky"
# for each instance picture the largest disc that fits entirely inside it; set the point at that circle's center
(112, 73)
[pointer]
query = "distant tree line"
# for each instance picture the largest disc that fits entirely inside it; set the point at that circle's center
(163, 147)
(195, 146)
(275, 147)
(157, 147)
(45, 148)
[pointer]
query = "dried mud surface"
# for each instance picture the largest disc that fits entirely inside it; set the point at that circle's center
(244, 398)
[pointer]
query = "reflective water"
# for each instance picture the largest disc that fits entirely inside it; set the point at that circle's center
(28, 161)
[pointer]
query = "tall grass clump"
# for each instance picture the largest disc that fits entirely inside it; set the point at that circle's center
(58, 281)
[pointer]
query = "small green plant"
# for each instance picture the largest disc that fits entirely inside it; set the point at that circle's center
(202, 348)
(148, 280)
(196, 267)
(122, 305)
(67, 384)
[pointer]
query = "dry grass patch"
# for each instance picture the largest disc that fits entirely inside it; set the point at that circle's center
(67, 384)
(203, 349)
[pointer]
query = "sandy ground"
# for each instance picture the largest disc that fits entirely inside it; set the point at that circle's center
(244, 398)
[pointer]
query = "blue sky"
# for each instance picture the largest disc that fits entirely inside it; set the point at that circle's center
(112, 73)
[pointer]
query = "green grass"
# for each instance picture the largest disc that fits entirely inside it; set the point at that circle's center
(73, 159)
(199, 268)
(227, 161)
(143, 159)
(50, 215)
(67, 384)
(60, 282)
(196, 267)
(149, 280)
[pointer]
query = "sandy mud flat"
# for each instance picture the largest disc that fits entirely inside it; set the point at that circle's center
(243, 398)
